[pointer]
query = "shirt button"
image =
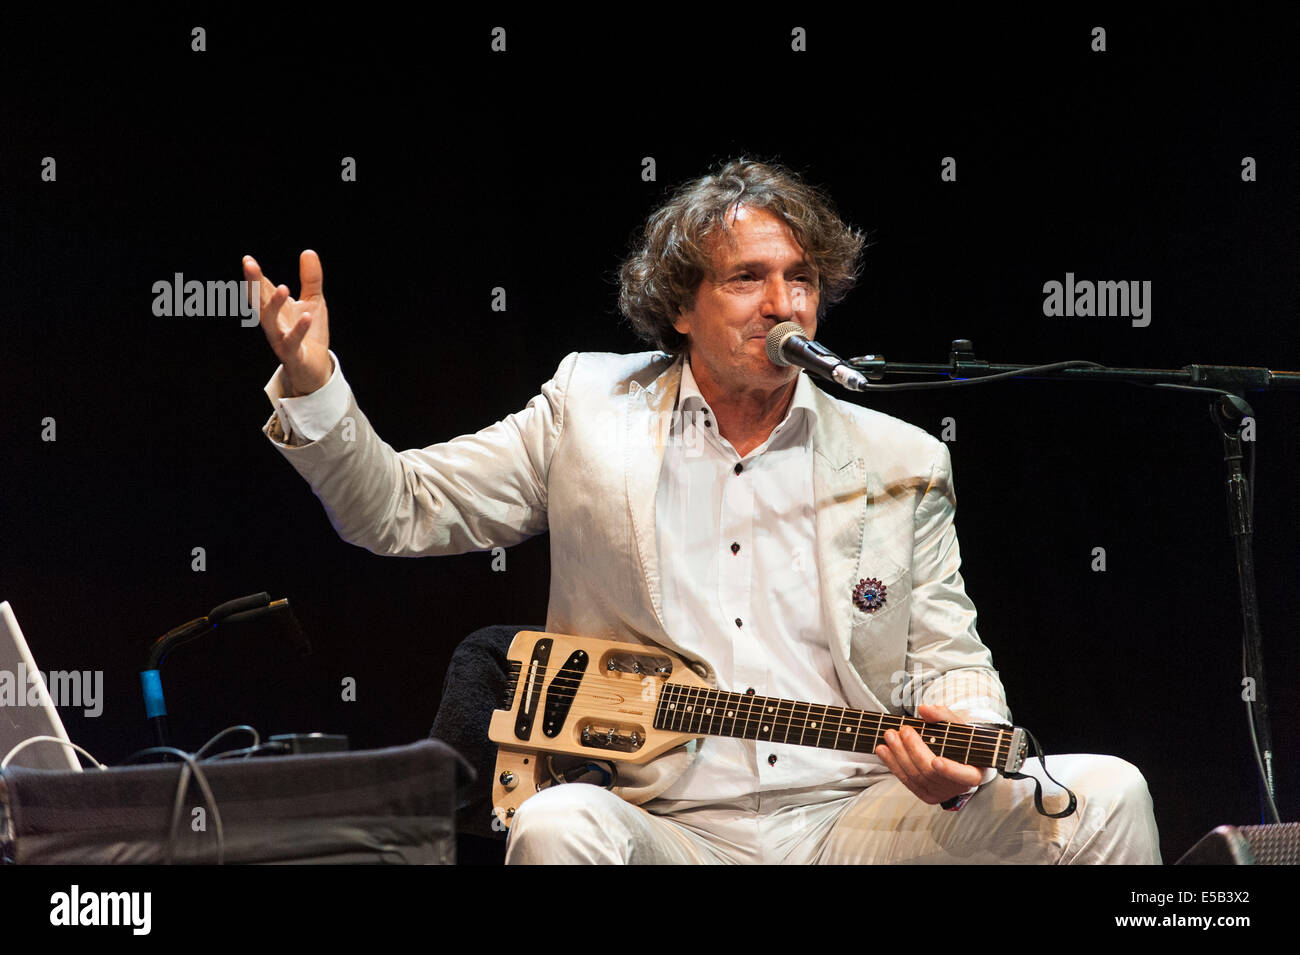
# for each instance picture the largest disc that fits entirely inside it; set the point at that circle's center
(735, 548)
(738, 468)
(708, 423)
(737, 621)
(771, 760)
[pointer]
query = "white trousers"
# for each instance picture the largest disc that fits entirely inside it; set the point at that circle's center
(883, 823)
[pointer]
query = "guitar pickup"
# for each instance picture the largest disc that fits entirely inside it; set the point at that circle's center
(596, 736)
(639, 664)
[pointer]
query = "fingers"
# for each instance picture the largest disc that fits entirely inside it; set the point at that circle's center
(297, 333)
(267, 290)
(930, 778)
(937, 714)
(311, 277)
(284, 340)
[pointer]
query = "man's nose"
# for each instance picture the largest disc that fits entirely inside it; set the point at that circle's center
(782, 298)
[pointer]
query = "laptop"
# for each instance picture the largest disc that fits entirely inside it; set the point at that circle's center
(26, 709)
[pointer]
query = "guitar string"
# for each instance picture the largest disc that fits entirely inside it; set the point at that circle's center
(983, 741)
(583, 695)
(785, 708)
(984, 747)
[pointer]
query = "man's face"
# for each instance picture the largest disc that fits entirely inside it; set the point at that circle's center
(758, 281)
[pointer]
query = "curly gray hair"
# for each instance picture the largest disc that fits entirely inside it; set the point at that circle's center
(663, 272)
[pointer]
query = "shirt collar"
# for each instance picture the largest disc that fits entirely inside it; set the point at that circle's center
(689, 397)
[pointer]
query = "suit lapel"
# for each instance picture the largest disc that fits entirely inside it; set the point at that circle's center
(840, 499)
(648, 426)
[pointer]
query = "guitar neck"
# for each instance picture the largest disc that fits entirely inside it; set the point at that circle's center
(704, 712)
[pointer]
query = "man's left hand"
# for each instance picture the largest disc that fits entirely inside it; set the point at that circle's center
(931, 778)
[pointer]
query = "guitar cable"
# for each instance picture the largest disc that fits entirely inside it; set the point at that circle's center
(569, 775)
(1038, 786)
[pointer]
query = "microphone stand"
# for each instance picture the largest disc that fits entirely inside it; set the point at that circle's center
(239, 610)
(1229, 410)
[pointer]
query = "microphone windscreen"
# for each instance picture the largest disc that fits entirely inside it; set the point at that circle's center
(776, 340)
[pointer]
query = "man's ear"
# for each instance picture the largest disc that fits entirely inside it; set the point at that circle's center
(681, 323)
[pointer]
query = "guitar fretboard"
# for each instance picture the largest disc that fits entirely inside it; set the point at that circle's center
(704, 712)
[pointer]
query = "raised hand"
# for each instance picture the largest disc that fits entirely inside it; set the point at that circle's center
(297, 329)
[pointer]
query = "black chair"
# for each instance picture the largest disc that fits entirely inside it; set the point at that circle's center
(476, 680)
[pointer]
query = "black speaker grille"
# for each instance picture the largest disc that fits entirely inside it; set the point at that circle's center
(1274, 845)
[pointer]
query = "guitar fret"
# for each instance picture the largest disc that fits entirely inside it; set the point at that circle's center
(799, 717)
(878, 738)
(727, 714)
(739, 706)
(661, 711)
(817, 723)
(679, 709)
(767, 712)
(857, 728)
(699, 708)
(693, 710)
(707, 704)
(758, 714)
(703, 711)
(845, 729)
(752, 722)
(785, 714)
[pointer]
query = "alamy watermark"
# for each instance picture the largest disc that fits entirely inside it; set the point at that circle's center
(1085, 299)
(82, 689)
(75, 907)
(176, 298)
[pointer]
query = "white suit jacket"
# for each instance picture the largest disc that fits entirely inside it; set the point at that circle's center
(582, 460)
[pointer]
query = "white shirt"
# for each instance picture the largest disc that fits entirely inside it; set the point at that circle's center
(741, 589)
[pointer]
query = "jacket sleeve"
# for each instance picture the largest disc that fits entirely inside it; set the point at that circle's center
(946, 660)
(474, 492)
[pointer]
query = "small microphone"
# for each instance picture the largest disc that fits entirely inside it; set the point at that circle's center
(788, 344)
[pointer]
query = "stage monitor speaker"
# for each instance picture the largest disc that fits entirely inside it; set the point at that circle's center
(394, 805)
(1247, 845)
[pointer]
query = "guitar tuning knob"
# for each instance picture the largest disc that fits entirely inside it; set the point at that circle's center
(509, 780)
(636, 666)
(611, 665)
(663, 670)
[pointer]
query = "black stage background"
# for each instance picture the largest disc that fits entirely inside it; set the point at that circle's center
(523, 170)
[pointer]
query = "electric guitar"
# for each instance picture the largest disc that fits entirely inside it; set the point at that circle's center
(627, 702)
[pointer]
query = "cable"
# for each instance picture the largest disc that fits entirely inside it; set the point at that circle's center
(244, 727)
(984, 379)
(191, 765)
(268, 747)
(47, 739)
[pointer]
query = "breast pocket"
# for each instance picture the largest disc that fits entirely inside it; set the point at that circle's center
(878, 638)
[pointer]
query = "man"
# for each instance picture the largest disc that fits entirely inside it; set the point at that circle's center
(706, 500)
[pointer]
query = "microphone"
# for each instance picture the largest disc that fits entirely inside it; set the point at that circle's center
(788, 344)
